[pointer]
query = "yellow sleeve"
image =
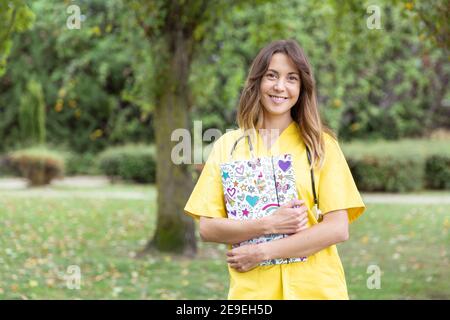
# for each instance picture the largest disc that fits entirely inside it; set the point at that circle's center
(207, 198)
(337, 189)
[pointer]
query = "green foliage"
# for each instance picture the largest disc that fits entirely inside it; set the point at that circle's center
(38, 164)
(100, 82)
(391, 174)
(32, 115)
(412, 148)
(398, 166)
(433, 17)
(6, 169)
(83, 73)
(393, 80)
(130, 163)
(387, 83)
(437, 172)
(15, 16)
(81, 164)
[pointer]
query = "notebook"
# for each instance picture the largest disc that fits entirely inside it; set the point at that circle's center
(256, 188)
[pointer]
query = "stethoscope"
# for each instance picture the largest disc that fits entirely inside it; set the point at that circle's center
(317, 212)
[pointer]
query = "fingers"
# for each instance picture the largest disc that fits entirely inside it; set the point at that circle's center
(302, 225)
(240, 267)
(293, 203)
(235, 263)
(302, 210)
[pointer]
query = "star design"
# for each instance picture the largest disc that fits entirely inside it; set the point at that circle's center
(236, 183)
(245, 212)
(225, 175)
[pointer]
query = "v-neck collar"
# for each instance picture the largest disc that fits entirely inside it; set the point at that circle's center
(291, 128)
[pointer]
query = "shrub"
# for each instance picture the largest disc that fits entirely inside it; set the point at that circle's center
(81, 164)
(437, 172)
(39, 165)
(130, 162)
(387, 173)
(6, 169)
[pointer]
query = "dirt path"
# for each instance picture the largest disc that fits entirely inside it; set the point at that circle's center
(18, 187)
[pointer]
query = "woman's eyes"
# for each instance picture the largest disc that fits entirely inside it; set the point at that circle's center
(273, 76)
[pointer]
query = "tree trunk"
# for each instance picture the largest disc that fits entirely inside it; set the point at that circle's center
(175, 231)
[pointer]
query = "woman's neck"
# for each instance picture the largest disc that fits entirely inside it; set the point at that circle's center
(272, 127)
(279, 123)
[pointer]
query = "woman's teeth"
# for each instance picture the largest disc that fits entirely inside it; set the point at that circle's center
(276, 99)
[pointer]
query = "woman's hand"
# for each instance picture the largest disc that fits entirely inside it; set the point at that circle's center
(290, 218)
(246, 257)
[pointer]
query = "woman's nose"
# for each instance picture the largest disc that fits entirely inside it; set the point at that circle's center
(279, 85)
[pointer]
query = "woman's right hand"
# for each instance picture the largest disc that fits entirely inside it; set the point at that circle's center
(290, 218)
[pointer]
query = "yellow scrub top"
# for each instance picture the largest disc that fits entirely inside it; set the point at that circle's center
(321, 276)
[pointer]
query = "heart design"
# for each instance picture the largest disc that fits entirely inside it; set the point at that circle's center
(231, 191)
(240, 169)
(252, 200)
(233, 212)
(284, 165)
(241, 197)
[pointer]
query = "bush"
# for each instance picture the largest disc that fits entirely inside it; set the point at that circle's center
(81, 164)
(6, 169)
(39, 165)
(387, 173)
(130, 162)
(437, 172)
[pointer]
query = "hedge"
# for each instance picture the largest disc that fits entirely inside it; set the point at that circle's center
(81, 164)
(129, 162)
(384, 173)
(437, 172)
(39, 165)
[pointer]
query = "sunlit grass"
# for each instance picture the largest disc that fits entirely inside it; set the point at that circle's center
(409, 243)
(421, 148)
(42, 236)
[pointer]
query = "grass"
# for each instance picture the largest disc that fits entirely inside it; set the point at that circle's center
(406, 147)
(409, 243)
(42, 236)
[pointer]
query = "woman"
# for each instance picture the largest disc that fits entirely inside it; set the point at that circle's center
(278, 104)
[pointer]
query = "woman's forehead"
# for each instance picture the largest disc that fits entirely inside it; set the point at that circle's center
(281, 63)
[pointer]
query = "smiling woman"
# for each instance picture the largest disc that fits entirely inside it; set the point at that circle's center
(280, 86)
(278, 115)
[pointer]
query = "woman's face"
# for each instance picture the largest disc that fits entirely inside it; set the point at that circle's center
(280, 85)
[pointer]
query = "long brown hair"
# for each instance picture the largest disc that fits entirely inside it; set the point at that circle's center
(305, 112)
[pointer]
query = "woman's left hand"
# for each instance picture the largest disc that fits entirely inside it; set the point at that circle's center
(245, 258)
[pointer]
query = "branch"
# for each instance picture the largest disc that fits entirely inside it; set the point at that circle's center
(10, 26)
(148, 31)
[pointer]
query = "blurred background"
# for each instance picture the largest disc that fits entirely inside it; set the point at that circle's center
(91, 205)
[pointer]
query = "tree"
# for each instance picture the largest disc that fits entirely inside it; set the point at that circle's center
(32, 114)
(15, 16)
(170, 27)
(175, 30)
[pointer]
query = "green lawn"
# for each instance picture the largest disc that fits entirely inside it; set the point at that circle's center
(410, 245)
(42, 235)
(421, 148)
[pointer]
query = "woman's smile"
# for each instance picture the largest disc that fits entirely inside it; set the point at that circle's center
(277, 99)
